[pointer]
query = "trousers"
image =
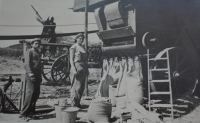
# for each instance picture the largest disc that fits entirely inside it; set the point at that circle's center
(32, 94)
(78, 83)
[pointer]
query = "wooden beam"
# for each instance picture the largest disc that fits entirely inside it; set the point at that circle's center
(15, 37)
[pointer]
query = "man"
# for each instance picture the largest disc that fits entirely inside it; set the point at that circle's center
(33, 80)
(45, 23)
(51, 32)
(49, 29)
(52, 27)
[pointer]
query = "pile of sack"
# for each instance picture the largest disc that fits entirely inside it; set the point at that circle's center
(122, 86)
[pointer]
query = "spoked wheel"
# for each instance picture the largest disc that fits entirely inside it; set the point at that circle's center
(60, 69)
(46, 71)
(182, 72)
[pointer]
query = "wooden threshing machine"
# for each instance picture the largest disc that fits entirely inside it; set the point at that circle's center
(163, 32)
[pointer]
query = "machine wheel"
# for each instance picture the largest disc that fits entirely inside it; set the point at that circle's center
(46, 71)
(182, 71)
(60, 69)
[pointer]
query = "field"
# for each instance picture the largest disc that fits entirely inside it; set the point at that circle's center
(51, 94)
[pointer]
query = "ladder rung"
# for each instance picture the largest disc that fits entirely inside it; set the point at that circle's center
(160, 80)
(158, 59)
(160, 93)
(165, 114)
(161, 105)
(158, 69)
(176, 111)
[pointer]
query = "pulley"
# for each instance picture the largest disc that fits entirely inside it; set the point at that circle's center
(151, 40)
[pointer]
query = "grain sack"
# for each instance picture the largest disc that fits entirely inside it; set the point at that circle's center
(112, 90)
(100, 110)
(100, 90)
(134, 90)
(139, 113)
(115, 72)
(133, 78)
(121, 87)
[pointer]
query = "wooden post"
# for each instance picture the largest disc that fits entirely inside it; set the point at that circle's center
(24, 47)
(23, 90)
(86, 40)
(20, 97)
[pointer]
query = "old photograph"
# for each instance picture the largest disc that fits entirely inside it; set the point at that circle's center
(99, 61)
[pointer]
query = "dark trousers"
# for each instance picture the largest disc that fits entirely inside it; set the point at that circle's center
(32, 94)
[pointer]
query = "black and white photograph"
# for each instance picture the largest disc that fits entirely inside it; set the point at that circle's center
(99, 61)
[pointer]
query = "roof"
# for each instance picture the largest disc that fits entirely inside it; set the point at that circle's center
(79, 5)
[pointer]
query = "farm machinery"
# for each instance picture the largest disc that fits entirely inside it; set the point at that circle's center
(164, 34)
(56, 69)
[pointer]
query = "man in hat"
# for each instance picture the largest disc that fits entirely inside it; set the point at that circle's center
(33, 80)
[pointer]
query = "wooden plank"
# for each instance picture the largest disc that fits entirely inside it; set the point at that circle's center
(44, 108)
(159, 80)
(181, 106)
(157, 93)
(177, 111)
(160, 105)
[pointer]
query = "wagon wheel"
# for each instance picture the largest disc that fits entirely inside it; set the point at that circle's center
(60, 69)
(46, 71)
(182, 71)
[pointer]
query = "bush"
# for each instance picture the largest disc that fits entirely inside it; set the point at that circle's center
(8, 52)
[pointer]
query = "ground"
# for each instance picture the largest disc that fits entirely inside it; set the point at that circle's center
(52, 94)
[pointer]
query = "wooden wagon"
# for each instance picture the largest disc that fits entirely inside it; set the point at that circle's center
(56, 69)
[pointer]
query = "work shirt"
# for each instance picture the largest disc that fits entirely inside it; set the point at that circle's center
(33, 62)
(79, 53)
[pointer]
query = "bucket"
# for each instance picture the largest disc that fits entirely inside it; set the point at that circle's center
(69, 115)
(58, 110)
(120, 102)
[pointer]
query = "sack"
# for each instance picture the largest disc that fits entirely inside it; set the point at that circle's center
(140, 113)
(121, 87)
(134, 90)
(100, 109)
(112, 90)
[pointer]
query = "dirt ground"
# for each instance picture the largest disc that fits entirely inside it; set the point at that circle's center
(52, 94)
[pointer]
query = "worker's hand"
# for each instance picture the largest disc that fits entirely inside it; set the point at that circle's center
(32, 79)
(75, 72)
(31, 74)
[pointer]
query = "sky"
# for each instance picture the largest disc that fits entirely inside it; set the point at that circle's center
(20, 12)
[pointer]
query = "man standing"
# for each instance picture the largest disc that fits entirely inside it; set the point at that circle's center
(52, 33)
(52, 26)
(45, 23)
(33, 80)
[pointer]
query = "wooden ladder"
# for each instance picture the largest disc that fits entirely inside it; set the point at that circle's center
(152, 80)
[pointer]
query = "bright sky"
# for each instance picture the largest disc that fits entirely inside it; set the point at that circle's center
(20, 12)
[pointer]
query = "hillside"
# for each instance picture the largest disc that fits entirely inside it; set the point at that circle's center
(16, 46)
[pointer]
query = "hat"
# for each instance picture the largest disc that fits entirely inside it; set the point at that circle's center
(39, 40)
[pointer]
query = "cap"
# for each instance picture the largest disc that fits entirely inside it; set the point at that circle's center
(39, 40)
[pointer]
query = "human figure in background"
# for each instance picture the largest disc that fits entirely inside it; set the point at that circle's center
(51, 32)
(33, 80)
(78, 71)
(52, 27)
(48, 29)
(45, 24)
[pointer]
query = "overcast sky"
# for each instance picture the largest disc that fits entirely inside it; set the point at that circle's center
(20, 12)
